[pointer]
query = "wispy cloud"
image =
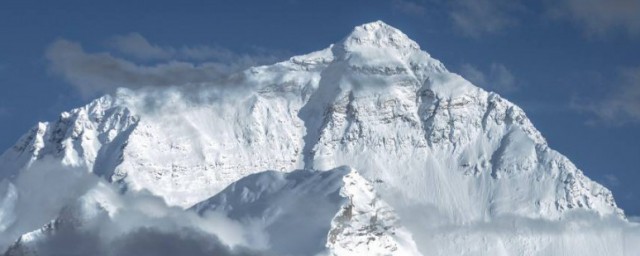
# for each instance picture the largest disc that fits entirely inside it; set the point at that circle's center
(137, 46)
(4, 111)
(93, 73)
(621, 105)
(611, 180)
(472, 18)
(495, 78)
(409, 7)
(599, 17)
(475, 18)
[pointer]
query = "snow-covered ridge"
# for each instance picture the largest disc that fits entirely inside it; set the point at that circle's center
(432, 143)
(80, 137)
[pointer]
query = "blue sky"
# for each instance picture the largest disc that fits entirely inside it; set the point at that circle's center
(573, 65)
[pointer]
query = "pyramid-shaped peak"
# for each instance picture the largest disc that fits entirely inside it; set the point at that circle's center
(379, 34)
(377, 25)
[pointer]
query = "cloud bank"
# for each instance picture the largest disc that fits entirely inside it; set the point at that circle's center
(144, 241)
(93, 217)
(577, 233)
(37, 195)
(71, 211)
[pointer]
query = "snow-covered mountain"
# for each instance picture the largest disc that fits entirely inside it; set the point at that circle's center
(431, 149)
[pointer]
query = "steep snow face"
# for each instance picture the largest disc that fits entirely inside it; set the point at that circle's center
(373, 101)
(188, 152)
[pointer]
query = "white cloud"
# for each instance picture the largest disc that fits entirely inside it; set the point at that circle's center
(621, 105)
(41, 191)
(475, 18)
(599, 17)
(93, 73)
(496, 78)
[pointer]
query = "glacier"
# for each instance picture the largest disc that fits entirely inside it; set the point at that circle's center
(403, 156)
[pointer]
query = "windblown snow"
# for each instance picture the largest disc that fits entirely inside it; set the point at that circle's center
(368, 147)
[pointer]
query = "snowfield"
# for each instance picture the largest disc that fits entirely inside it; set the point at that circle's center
(368, 147)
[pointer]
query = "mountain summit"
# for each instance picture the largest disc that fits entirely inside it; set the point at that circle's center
(435, 155)
(379, 34)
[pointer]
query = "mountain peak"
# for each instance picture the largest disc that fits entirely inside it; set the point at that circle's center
(434, 153)
(376, 25)
(378, 34)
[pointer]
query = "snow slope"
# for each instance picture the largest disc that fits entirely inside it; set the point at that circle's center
(435, 146)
